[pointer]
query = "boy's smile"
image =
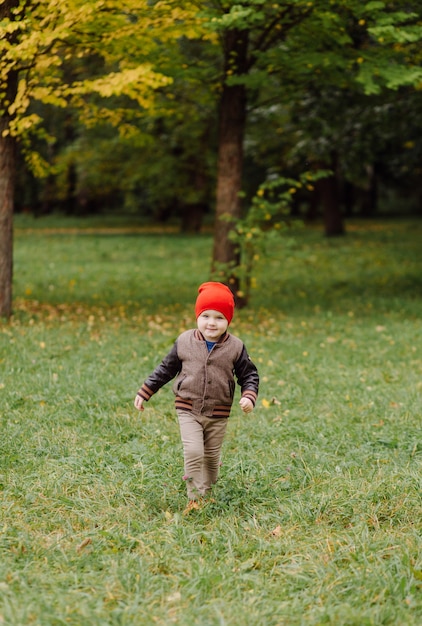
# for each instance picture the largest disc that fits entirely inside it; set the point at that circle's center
(212, 324)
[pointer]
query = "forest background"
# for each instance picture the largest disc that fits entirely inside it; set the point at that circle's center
(243, 115)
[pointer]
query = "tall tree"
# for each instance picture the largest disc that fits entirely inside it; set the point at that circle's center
(247, 31)
(369, 46)
(37, 38)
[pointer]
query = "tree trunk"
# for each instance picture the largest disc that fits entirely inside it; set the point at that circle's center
(330, 200)
(370, 193)
(7, 172)
(232, 120)
(7, 178)
(193, 212)
(192, 216)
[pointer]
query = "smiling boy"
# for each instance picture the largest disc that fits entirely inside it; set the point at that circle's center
(206, 362)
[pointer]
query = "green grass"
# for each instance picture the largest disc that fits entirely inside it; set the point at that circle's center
(317, 516)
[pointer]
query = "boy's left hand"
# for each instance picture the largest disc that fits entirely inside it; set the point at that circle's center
(246, 405)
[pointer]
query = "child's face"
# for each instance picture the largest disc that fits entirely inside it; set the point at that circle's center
(212, 324)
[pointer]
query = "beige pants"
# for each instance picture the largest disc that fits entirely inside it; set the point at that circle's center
(202, 438)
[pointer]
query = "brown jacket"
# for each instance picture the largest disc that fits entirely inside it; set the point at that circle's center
(205, 381)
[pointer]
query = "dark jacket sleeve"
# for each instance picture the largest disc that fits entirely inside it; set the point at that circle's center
(169, 367)
(247, 376)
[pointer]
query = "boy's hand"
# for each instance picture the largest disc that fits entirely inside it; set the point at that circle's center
(139, 403)
(246, 405)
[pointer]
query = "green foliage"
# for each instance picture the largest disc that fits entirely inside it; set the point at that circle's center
(161, 93)
(119, 87)
(315, 519)
(53, 39)
(151, 103)
(268, 217)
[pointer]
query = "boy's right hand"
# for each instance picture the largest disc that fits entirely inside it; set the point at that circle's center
(139, 403)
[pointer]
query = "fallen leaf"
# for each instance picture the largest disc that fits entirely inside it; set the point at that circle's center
(83, 544)
(380, 423)
(277, 531)
(174, 597)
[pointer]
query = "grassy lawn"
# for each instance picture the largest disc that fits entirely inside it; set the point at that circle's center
(317, 515)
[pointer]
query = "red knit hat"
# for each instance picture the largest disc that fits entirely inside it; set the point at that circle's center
(215, 297)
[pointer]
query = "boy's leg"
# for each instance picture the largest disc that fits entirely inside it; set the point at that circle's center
(214, 431)
(192, 435)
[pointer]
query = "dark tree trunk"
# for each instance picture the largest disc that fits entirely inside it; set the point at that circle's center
(314, 204)
(349, 197)
(193, 213)
(7, 174)
(232, 122)
(192, 216)
(330, 200)
(70, 202)
(370, 194)
(7, 184)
